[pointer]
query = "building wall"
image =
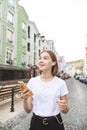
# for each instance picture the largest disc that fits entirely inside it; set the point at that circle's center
(2, 30)
(33, 43)
(21, 37)
(14, 39)
(7, 23)
(51, 45)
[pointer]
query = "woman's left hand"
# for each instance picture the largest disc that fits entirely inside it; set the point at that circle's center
(62, 104)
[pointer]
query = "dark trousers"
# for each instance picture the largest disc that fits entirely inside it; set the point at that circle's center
(46, 123)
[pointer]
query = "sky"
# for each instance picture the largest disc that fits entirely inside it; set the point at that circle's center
(64, 21)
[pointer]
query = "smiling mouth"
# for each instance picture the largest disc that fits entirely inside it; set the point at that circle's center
(41, 65)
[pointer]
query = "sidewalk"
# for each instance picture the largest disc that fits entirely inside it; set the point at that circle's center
(5, 113)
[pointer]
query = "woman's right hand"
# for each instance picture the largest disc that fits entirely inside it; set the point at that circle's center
(27, 96)
(27, 93)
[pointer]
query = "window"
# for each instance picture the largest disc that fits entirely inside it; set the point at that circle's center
(23, 57)
(24, 27)
(43, 48)
(34, 38)
(23, 60)
(28, 31)
(0, 10)
(29, 61)
(23, 42)
(10, 17)
(9, 56)
(28, 46)
(11, 2)
(9, 36)
(39, 42)
(39, 52)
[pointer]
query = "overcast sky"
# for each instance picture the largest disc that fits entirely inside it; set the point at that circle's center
(64, 21)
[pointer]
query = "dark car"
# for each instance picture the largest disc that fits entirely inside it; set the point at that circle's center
(82, 78)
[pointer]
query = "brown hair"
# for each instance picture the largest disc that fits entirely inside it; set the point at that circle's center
(54, 58)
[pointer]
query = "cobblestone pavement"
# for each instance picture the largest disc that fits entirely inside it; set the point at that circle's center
(75, 119)
(5, 109)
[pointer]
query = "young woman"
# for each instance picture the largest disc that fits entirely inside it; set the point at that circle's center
(49, 97)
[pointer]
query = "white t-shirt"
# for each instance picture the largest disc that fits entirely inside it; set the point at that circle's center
(46, 94)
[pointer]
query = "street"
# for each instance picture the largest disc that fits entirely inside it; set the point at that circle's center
(76, 118)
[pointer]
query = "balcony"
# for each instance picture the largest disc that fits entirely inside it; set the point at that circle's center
(9, 61)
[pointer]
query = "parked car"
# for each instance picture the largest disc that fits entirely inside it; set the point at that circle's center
(64, 76)
(83, 79)
(77, 77)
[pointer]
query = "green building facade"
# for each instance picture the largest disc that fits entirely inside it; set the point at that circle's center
(20, 44)
(21, 37)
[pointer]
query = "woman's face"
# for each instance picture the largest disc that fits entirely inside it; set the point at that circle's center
(45, 62)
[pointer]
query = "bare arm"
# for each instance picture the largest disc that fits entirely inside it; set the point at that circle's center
(27, 101)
